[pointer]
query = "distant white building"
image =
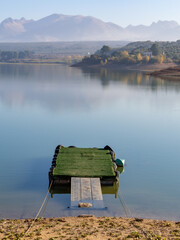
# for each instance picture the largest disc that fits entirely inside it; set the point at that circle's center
(148, 53)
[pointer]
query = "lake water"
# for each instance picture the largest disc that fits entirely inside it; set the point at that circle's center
(42, 106)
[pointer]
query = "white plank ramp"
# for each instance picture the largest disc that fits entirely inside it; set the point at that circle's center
(86, 190)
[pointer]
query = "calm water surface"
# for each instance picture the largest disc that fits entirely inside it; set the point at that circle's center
(42, 106)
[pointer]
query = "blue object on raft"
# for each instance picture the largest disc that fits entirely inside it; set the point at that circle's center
(120, 162)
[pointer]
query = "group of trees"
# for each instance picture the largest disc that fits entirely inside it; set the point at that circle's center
(29, 56)
(170, 49)
(120, 56)
(13, 55)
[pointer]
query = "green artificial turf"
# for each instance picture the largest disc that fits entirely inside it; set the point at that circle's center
(84, 162)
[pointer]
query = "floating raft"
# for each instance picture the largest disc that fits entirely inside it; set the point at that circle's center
(71, 162)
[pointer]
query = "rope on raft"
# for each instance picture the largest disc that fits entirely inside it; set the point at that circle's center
(30, 226)
(124, 205)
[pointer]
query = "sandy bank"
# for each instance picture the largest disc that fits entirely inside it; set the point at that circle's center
(90, 227)
(172, 73)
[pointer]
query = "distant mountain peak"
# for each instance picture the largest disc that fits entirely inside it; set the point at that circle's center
(165, 23)
(7, 20)
(60, 27)
(11, 20)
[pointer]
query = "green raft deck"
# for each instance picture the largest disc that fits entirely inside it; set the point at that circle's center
(83, 162)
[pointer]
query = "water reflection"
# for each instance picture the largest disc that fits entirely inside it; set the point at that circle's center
(66, 189)
(132, 78)
(58, 87)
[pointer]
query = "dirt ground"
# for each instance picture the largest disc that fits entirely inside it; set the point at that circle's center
(172, 73)
(89, 227)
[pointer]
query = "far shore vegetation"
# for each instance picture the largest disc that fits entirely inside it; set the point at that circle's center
(136, 53)
(30, 57)
(51, 52)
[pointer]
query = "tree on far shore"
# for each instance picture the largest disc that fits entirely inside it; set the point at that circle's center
(155, 49)
(139, 57)
(105, 49)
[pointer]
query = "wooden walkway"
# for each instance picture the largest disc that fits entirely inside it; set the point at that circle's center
(86, 190)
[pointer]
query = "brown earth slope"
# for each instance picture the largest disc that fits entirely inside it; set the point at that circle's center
(172, 73)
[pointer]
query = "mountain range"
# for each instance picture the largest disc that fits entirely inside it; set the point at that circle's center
(59, 27)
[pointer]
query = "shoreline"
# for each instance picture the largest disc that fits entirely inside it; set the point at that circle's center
(148, 68)
(35, 63)
(165, 70)
(171, 73)
(89, 227)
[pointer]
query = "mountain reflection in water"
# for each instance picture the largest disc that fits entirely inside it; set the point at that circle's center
(59, 87)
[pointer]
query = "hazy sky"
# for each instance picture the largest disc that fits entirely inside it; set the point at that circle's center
(121, 12)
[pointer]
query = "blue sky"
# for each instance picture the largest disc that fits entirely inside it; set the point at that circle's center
(121, 12)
